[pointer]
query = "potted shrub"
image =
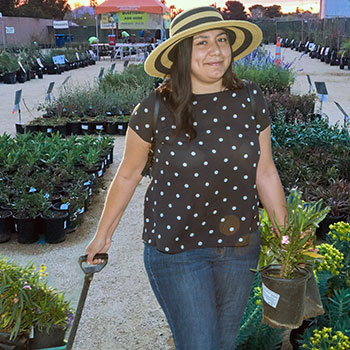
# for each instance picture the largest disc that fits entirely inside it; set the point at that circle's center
(284, 256)
(5, 225)
(27, 208)
(8, 66)
(337, 196)
(344, 54)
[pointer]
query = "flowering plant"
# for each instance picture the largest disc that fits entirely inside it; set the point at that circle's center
(326, 339)
(26, 301)
(294, 244)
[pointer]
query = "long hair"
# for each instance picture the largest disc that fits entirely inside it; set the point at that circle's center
(177, 89)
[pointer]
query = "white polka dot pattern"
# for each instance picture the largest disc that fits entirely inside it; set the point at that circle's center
(203, 191)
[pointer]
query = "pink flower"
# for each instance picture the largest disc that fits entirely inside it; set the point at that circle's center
(285, 240)
(15, 300)
(27, 286)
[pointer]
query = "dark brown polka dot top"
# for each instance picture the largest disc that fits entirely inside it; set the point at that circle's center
(203, 192)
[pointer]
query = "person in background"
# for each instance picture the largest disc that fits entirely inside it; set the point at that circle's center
(212, 168)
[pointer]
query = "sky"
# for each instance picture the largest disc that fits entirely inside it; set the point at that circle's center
(287, 5)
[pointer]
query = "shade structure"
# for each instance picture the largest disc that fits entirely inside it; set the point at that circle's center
(149, 6)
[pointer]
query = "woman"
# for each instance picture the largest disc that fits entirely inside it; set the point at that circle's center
(212, 157)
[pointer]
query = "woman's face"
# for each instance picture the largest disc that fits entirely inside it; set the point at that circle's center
(211, 56)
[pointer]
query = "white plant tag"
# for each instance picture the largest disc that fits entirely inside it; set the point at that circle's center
(85, 127)
(271, 298)
(49, 129)
(99, 127)
(64, 224)
(31, 335)
(120, 127)
(100, 173)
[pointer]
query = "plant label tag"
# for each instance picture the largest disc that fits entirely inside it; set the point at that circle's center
(65, 224)
(31, 335)
(64, 206)
(85, 127)
(100, 173)
(49, 130)
(99, 127)
(39, 63)
(120, 127)
(270, 297)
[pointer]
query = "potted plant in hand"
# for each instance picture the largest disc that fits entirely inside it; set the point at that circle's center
(287, 248)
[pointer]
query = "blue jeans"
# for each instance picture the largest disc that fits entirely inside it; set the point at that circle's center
(203, 292)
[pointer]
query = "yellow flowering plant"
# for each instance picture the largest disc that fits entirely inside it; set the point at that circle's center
(327, 339)
(332, 259)
(295, 243)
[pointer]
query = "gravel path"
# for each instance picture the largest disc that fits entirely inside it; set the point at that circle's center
(121, 311)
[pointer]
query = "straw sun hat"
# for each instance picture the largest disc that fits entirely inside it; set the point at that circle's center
(247, 37)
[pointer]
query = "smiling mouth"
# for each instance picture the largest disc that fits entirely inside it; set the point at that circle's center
(215, 63)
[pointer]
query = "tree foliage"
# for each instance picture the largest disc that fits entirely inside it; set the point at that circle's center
(234, 10)
(55, 9)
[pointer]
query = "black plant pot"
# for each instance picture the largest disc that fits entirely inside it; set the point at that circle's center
(21, 76)
(98, 127)
(45, 340)
(73, 128)
(54, 228)
(48, 129)
(122, 127)
(110, 155)
(111, 128)
(62, 129)
(72, 217)
(5, 225)
(27, 229)
(32, 128)
(20, 343)
(86, 128)
(20, 128)
(10, 78)
(323, 229)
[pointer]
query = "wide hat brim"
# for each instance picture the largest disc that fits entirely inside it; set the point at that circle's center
(247, 37)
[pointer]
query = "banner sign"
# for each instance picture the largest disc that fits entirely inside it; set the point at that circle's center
(58, 59)
(131, 17)
(107, 21)
(60, 24)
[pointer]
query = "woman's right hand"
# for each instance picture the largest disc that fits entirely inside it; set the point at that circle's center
(97, 245)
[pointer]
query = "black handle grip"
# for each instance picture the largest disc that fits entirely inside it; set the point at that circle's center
(91, 269)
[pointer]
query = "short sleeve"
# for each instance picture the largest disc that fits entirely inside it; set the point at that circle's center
(262, 116)
(141, 119)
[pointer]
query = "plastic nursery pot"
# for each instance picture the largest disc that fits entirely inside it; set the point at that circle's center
(20, 343)
(20, 128)
(10, 78)
(313, 303)
(27, 230)
(54, 228)
(111, 128)
(51, 339)
(5, 225)
(73, 128)
(283, 300)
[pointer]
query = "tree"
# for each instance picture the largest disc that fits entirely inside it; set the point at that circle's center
(55, 9)
(257, 11)
(234, 10)
(273, 11)
(8, 7)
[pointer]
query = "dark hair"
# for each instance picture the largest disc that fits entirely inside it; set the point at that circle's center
(177, 90)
